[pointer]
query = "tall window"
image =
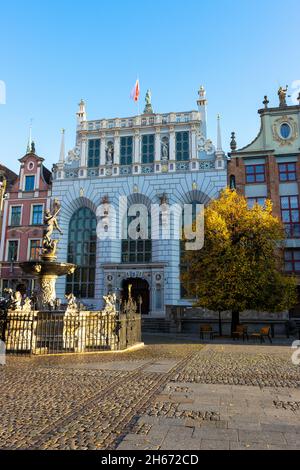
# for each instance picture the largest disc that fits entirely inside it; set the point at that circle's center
(29, 183)
(82, 252)
(255, 173)
(182, 146)
(290, 215)
(148, 148)
(183, 263)
(137, 251)
(94, 153)
(15, 215)
(255, 200)
(34, 249)
(37, 214)
(292, 261)
(12, 252)
(126, 150)
(287, 171)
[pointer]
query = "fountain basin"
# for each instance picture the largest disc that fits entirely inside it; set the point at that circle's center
(48, 268)
(47, 271)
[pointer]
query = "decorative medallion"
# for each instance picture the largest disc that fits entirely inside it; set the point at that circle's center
(285, 130)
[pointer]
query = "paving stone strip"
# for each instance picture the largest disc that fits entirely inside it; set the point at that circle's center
(98, 421)
(83, 405)
(169, 396)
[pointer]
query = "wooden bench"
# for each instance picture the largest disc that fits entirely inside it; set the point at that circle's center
(264, 332)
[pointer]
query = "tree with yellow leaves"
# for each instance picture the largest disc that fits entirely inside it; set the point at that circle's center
(240, 266)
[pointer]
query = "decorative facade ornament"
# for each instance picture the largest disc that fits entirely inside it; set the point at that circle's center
(205, 145)
(72, 304)
(27, 306)
(148, 107)
(81, 192)
(105, 199)
(15, 299)
(135, 188)
(163, 199)
(276, 127)
(73, 155)
(110, 304)
(282, 96)
(194, 185)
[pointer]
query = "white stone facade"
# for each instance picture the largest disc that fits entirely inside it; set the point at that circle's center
(198, 177)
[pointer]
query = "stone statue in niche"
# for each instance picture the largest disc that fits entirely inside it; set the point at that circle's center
(165, 148)
(110, 153)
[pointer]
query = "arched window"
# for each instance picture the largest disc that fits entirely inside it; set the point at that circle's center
(140, 250)
(82, 252)
(183, 264)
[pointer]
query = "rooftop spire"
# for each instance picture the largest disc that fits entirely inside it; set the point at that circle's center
(202, 103)
(81, 114)
(29, 143)
(219, 134)
(62, 147)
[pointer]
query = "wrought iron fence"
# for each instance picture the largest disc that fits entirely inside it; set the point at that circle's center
(54, 333)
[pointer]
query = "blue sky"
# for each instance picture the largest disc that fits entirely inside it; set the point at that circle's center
(53, 53)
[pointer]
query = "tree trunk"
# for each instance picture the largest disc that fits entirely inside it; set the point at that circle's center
(235, 320)
(220, 324)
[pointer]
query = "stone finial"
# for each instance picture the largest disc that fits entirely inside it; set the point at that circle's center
(233, 144)
(298, 98)
(265, 101)
(32, 149)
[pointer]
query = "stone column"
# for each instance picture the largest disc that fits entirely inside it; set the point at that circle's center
(117, 148)
(194, 142)
(83, 153)
(47, 292)
(157, 145)
(103, 150)
(137, 147)
(172, 153)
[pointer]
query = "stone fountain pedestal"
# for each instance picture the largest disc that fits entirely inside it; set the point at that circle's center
(47, 270)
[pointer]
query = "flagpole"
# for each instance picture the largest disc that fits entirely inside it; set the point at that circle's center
(138, 101)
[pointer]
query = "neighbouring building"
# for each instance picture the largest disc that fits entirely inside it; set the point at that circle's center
(7, 177)
(269, 167)
(151, 158)
(22, 228)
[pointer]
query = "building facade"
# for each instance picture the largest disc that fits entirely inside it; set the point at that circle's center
(7, 178)
(149, 159)
(23, 213)
(269, 167)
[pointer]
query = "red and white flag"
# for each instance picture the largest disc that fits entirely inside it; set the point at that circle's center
(135, 92)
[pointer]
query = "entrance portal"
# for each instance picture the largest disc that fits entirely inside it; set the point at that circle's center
(140, 290)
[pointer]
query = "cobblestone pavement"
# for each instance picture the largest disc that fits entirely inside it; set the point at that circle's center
(164, 396)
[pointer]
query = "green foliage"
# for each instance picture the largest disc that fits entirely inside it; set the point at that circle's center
(241, 264)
